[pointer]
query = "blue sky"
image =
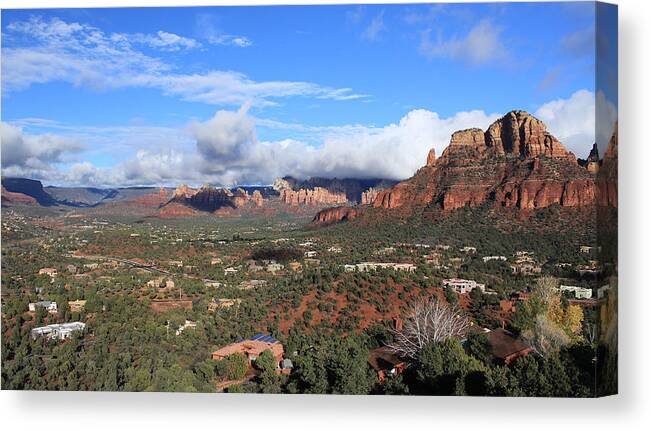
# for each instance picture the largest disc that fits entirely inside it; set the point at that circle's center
(233, 95)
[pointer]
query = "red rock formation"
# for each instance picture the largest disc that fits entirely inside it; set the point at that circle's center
(313, 197)
(607, 176)
(220, 201)
(522, 134)
(515, 163)
(174, 210)
(431, 157)
(153, 199)
(257, 198)
(12, 198)
(368, 196)
(334, 215)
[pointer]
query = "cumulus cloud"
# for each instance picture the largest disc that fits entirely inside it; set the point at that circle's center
(39, 51)
(225, 149)
(572, 121)
(481, 45)
(232, 154)
(225, 136)
(34, 153)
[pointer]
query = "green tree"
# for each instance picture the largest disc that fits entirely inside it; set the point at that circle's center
(235, 366)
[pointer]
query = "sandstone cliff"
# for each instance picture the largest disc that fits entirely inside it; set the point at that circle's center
(325, 191)
(15, 198)
(334, 215)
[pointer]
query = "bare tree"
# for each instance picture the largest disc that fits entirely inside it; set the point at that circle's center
(428, 321)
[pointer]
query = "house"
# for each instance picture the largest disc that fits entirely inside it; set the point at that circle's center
(334, 249)
(77, 306)
(310, 253)
(177, 263)
(433, 258)
(52, 272)
(215, 261)
(211, 283)
(386, 362)
(578, 291)
(505, 348)
(274, 267)
(460, 285)
(588, 249)
(91, 266)
(71, 269)
(468, 249)
(213, 305)
(286, 366)
(50, 306)
(251, 284)
(489, 258)
(312, 262)
(525, 266)
(252, 348)
(58, 331)
(186, 325)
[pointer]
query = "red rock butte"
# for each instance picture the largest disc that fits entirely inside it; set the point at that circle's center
(515, 163)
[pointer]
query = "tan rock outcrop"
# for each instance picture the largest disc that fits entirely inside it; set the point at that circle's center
(313, 197)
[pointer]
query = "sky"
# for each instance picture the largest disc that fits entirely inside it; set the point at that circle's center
(242, 95)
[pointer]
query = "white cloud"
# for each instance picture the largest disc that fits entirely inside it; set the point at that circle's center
(225, 149)
(233, 88)
(83, 55)
(167, 41)
(207, 28)
(229, 39)
(225, 136)
(572, 121)
(376, 26)
(38, 152)
(232, 154)
(481, 45)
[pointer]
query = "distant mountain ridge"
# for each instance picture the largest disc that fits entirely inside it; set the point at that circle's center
(79, 197)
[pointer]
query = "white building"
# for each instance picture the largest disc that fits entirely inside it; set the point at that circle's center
(50, 306)
(489, 258)
(58, 331)
(274, 267)
(187, 324)
(460, 285)
(579, 292)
